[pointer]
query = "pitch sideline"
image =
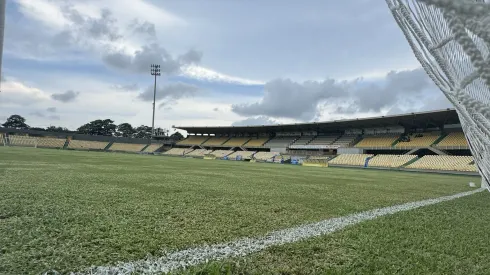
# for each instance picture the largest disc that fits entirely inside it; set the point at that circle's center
(242, 247)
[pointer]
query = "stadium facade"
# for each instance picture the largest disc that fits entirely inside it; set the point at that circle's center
(430, 141)
(395, 133)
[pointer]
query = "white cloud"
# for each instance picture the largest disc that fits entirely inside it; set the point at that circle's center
(198, 111)
(306, 101)
(16, 93)
(44, 11)
(124, 40)
(106, 30)
(301, 43)
(50, 12)
(213, 76)
(252, 121)
(140, 9)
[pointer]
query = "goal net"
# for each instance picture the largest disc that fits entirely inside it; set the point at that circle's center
(451, 40)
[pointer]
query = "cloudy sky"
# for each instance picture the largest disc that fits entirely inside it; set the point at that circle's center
(67, 62)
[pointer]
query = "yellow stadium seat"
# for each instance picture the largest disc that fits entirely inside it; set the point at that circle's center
(199, 153)
(242, 154)
(256, 142)
(426, 140)
(87, 145)
(178, 151)
(152, 148)
(215, 141)
(350, 159)
(193, 140)
(377, 141)
(280, 142)
(265, 156)
(345, 140)
(456, 139)
(304, 140)
(324, 140)
(221, 153)
(445, 163)
(51, 142)
(127, 147)
(24, 141)
(236, 141)
(390, 161)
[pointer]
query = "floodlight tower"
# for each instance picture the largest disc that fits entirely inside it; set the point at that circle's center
(2, 29)
(155, 71)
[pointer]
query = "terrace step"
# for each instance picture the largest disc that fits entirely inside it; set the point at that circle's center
(108, 145)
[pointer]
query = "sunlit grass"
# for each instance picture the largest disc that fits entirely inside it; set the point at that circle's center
(67, 210)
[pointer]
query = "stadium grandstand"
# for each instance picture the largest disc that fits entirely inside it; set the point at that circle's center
(74, 141)
(127, 147)
(428, 141)
(419, 141)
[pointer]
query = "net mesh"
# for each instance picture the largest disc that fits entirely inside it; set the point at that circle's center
(451, 40)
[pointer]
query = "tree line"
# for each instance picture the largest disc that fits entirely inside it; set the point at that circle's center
(98, 127)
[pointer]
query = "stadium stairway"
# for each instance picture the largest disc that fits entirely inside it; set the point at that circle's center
(439, 139)
(412, 151)
(333, 157)
(396, 141)
(437, 151)
(146, 146)
(356, 140)
(433, 149)
(410, 162)
(108, 146)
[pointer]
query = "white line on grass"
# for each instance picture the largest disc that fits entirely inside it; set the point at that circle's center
(242, 247)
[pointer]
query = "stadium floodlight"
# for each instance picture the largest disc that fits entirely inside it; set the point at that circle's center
(155, 71)
(451, 40)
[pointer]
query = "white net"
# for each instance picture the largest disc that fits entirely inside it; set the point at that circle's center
(451, 40)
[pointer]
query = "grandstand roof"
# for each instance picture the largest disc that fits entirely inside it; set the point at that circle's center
(411, 120)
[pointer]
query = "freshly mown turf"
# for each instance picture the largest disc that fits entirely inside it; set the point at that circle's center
(447, 238)
(65, 210)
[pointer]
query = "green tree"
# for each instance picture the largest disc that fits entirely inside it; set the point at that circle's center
(98, 127)
(16, 122)
(57, 129)
(143, 132)
(125, 130)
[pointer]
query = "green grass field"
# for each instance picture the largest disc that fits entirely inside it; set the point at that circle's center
(67, 210)
(447, 238)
